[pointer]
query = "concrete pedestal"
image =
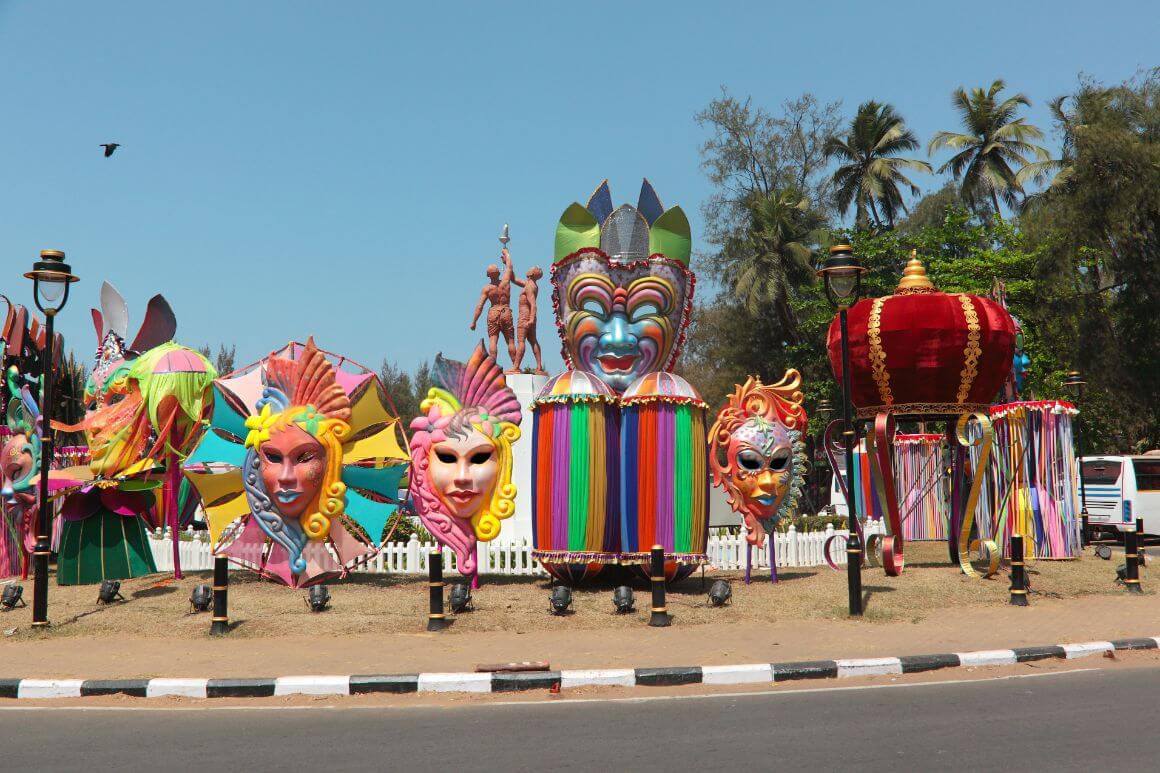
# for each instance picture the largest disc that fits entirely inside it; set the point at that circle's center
(519, 526)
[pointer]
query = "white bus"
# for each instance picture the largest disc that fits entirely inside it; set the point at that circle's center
(1120, 489)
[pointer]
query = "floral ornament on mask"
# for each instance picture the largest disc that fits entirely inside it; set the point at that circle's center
(757, 454)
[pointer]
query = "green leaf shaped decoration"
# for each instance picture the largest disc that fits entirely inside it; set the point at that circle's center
(670, 235)
(577, 229)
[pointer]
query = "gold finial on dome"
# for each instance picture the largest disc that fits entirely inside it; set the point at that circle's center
(914, 279)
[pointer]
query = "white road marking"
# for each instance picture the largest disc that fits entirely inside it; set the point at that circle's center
(561, 701)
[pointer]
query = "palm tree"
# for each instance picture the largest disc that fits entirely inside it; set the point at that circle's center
(870, 174)
(993, 148)
(772, 258)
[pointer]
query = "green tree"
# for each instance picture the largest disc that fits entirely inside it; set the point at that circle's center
(870, 172)
(993, 148)
(405, 390)
(1101, 226)
(773, 258)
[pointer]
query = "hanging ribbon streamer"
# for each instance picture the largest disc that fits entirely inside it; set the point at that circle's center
(880, 449)
(984, 441)
(835, 445)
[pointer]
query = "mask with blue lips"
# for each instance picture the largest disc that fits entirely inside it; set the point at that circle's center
(622, 289)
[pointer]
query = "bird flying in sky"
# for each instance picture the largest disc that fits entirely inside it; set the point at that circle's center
(110, 147)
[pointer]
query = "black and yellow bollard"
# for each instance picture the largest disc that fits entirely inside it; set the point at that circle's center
(660, 614)
(1140, 544)
(1131, 562)
(220, 623)
(1018, 572)
(1084, 530)
(854, 573)
(436, 620)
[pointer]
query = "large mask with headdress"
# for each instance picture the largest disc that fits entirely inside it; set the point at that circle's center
(301, 465)
(144, 400)
(621, 286)
(757, 454)
(461, 452)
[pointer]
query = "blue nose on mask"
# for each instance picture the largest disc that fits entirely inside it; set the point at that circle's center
(618, 336)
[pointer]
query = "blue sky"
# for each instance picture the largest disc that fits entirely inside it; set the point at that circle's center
(344, 168)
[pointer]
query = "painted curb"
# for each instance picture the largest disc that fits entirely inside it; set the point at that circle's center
(500, 682)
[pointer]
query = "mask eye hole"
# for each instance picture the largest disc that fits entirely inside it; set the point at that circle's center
(643, 310)
(779, 460)
(593, 306)
(445, 457)
(273, 457)
(481, 457)
(750, 460)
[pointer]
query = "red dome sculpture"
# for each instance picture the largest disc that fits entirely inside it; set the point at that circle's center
(922, 352)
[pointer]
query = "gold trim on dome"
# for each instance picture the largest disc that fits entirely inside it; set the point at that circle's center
(972, 352)
(877, 353)
(920, 409)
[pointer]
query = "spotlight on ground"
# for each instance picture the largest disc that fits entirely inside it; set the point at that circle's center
(460, 598)
(1122, 574)
(13, 596)
(1104, 552)
(110, 591)
(720, 592)
(319, 598)
(201, 598)
(560, 600)
(622, 598)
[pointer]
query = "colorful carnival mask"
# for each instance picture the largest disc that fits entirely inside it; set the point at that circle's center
(143, 400)
(622, 288)
(315, 452)
(757, 454)
(461, 453)
(20, 452)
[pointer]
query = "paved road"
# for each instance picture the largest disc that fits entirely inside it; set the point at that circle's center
(1076, 721)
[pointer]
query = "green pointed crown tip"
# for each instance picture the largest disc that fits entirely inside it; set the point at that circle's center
(671, 236)
(577, 229)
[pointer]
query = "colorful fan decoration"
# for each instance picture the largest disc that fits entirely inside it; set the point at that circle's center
(300, 469)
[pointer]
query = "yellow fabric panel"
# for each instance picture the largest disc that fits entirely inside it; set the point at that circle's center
(381, 445)
(369, 410)
(215, 487)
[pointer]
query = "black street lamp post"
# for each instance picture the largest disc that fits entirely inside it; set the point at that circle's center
(1074, 384)
(51, 278)
(843, 279)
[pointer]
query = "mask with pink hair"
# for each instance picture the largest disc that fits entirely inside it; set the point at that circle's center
(461, 455)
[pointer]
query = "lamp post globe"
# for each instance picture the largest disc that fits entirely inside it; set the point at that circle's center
(51, 278)
(842, 275)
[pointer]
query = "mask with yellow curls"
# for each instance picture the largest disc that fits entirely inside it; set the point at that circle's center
(461, 455)
(292, 473)
(756, 452)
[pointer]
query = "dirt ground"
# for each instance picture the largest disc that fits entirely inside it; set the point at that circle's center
(376, 623)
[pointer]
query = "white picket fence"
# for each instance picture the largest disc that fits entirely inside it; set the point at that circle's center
(725, 552)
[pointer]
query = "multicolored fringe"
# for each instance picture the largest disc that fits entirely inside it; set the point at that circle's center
(575, 483)
(664, 496)
(1031, 483)
(921, 498)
